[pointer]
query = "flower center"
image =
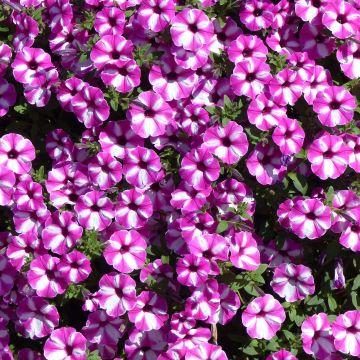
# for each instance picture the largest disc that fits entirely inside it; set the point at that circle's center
(149, 113)
(133, 206)
(311, 216)
(341, 19)
(334, 105)
(221, 36)
(172, 76)
(250, 77)
(68, 349)
(328, 154)
(201, 166)
(12, 154)
(115, 55)
(33, 65)
(157, 10)
(95, 207)
(226, 142)
(193, 28)
(112, 21)
(258, 12)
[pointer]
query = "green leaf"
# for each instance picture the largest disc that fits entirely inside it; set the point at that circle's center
(299, 182)
(355, 299)
(114, 103)
(261, 269)
(331, 302)
(315, 300)
(330, 195)
(288, 335)
(356, 283)
(225, 121)
(223, 225)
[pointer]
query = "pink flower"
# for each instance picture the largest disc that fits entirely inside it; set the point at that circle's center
(101, 328)
(171, 81)
(118, 136)
(191, 29)
(199, 168)
(110, 49)
(264, 162)
(22, 247)
(263, 317)
(16, 153)
(346, 332)
(141, 165)
(247, 47)
(7, 182)
(212, 247)
(37, 317)
(109, 21)
(104, 170)
(192, 270)
(74, 267)
(45, 278)
(145, 345)
(194, 120)
(5, 56)
(94, 210)
(7, 276)
(309, 218)
(90, 106)
(150, 311)
(307, 10)
(125, 251)
(155, 15)
(228, 143)
(67, 90)
(117, 294)
(349, 59)
(293, 282)
(250, 77)
(286, 87)
(28, 195)
(329, 156)
(65, 343)
(341, 18)
(124, 75)
(318, 81)
(350, 237)
(61, 232)
(206, 351)
(7, 96)
(30, 66)
(229, 304)
(282, 355)
(289, 136)
(316, 336)
(264, 113)
(257, 15)
(133, 209)
(334, 106)
(149, 114)
(244, 253)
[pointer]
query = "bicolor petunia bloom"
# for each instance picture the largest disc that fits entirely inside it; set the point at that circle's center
(149, 312)
(309, 218)
(263, 317)
(334, 106)
(346, 332)
(16, 153)
(329, 156)
(228, 143)
(94, 210)
(149, 114)
(293, 282)
(125, 251)
(191, 29)
(316, 336)
(117, 294)
(244, 253)
(65, 343)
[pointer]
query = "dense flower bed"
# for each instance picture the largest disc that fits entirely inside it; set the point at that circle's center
(179, 179)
